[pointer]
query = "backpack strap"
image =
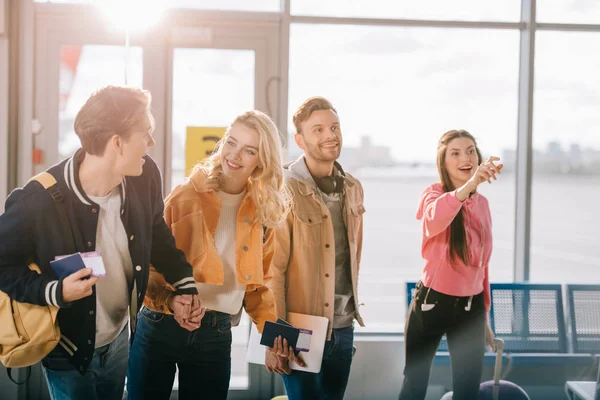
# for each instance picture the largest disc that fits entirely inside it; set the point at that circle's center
(49, 183)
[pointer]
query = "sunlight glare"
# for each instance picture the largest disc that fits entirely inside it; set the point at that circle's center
(132, 15)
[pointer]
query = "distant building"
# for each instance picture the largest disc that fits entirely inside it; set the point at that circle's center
(367, 155)
(576, 160)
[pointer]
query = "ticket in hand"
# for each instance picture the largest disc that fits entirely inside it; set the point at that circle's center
(65, 265)
(304, 337)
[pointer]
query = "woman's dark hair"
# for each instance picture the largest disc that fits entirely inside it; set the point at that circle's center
(458, 237)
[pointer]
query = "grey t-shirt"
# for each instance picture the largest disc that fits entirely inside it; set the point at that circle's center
(343, 312)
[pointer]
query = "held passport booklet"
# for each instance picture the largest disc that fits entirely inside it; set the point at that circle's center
(305, 333)
(64, 266)
(298, 339)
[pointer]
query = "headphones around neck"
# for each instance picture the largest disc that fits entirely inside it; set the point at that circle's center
(332, 184)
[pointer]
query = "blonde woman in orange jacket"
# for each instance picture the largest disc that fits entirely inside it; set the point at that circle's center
(221, 217)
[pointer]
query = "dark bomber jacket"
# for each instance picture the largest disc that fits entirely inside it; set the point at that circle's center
(30, 230)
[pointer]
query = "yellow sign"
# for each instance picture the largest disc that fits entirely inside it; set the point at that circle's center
(200, 142)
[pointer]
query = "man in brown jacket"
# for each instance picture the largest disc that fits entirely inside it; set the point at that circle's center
(317, 251)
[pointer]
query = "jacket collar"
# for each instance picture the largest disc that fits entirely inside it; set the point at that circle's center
(71, 176)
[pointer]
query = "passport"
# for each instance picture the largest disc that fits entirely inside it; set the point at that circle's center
(64, 266)
(272, 330)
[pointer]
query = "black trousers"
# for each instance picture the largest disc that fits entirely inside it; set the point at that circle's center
(465, 331)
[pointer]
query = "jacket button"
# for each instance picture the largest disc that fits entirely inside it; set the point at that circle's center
(327, 246)
(122, 211)
(89, 342)
(138, 268)
(245, 248)
(326, 304)
(326, 275)
(248, 277)
(91, 312)
(324, 216)
(309, 220)
(131, 237)
(247, 220)
(89, 244)
(94, 210)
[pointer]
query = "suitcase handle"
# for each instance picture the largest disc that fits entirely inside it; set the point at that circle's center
(499, 344)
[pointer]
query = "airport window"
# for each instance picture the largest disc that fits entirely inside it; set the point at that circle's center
(566, 158)
(463, 10)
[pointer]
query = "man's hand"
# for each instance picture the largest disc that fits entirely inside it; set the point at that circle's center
(78, 285)
(274, 363)
(187, 310)
(284, 355)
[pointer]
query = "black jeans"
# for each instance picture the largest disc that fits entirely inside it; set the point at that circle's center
(465, 331)
(202, 356)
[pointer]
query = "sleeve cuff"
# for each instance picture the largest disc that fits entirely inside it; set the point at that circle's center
(186, 286)
(53, 294)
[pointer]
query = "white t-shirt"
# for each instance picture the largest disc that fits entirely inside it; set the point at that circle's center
(226, 298)
(113, 291)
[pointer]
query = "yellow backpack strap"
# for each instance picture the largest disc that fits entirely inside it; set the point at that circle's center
(49, 183)
(45, 179)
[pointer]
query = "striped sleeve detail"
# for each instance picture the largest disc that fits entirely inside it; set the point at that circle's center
(67, 345)
(185, 283)
(51, 293)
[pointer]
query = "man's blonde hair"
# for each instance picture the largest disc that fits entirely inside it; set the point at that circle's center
(308, 107)
(112, 110)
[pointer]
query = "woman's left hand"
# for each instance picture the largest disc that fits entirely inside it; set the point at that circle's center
(489, 337)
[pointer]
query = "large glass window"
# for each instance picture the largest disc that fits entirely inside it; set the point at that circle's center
(463, 10)
(237, 5)
(83, 70)
(566, 145)
(568, 11)
(397, 90)
(210, 88)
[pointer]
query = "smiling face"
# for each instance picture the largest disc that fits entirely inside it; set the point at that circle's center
(321, 136)
(461, 160)
(239, 154)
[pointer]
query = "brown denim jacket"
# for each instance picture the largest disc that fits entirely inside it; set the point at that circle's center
(303, 265)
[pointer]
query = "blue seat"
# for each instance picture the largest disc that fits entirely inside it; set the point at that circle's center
(530, 319)
(583, 304)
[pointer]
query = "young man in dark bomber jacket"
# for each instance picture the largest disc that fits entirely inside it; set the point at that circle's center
(111, 190)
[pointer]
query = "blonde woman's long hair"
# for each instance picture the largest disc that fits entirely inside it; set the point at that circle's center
(269, 193)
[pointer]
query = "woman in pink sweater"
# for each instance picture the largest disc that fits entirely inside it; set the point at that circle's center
(453, 296)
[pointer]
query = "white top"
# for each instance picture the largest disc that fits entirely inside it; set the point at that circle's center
(113, 290)
(228, 297)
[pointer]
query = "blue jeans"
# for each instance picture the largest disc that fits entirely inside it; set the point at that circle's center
(104, 378)
(203, 357)
(331, 382)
